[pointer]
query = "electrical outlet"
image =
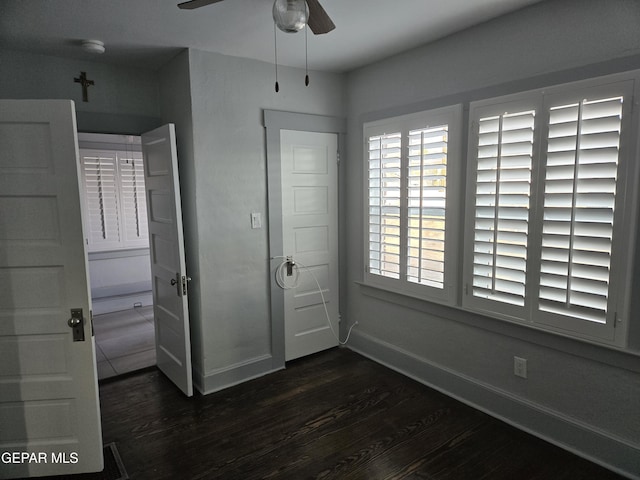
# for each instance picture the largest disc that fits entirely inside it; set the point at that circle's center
(520, 367)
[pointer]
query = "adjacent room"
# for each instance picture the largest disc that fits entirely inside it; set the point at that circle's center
(337, 239)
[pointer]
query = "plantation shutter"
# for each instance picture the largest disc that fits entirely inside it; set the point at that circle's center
(578, 217)
(502, 193)
(101, 196)
(384, 204)
(427, 183)
(132, 193)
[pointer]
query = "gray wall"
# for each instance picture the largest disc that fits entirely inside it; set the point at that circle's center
(223, 177)
(123, 99)
(583, 397)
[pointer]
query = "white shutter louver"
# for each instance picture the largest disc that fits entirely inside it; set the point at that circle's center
(502, 197)
(132, 193)
(384, 204)
(580, 189)
(427, 182)
(102, 200)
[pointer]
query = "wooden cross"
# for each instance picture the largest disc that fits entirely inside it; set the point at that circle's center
(86, 83)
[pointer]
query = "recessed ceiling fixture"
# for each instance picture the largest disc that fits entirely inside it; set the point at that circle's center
(93, 46)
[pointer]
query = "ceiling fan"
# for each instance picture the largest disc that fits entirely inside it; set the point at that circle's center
(317, 18)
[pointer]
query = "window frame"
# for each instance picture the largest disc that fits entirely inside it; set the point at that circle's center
(492, 107)
(624, 223)
(452, 116)
(620, 233)
(116, 151)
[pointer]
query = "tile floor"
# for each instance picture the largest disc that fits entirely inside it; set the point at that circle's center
(125, 341)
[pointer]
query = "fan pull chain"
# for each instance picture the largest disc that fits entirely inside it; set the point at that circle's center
(275, 44)
(306, 55)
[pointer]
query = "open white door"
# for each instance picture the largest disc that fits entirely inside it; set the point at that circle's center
(168, 268)
(309, 163)
(49, 412)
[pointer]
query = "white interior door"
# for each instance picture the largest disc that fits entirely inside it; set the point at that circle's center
(309, 163)
(48, 383)
(169, 280)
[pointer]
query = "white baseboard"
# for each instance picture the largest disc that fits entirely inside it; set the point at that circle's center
(226, 377)
(552, 426)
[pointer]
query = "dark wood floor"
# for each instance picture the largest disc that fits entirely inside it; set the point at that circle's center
(335, 415)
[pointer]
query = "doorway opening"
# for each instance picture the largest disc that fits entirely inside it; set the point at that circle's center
(116, 235)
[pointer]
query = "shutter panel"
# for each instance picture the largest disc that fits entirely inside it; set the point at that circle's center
(132, 194)
(426, 191)
(503, 187)
(580, 189)
(384, 204)
(99, 171)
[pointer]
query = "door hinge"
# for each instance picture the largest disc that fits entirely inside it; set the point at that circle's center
(180, 282)
(338, 157)
(185, 280)
(616, 320)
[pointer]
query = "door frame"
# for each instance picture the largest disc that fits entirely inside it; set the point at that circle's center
(274, 121)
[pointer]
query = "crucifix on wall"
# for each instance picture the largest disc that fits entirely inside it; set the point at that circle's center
(86, 83)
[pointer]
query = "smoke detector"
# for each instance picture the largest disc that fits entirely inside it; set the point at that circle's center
(93, 46)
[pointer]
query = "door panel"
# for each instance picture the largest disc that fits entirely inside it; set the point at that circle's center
(168, 267)
(49, 391)
(310, 235)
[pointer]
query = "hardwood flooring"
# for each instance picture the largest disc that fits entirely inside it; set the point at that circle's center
(334, 415)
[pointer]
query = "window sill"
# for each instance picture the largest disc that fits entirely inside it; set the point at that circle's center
(610, 355)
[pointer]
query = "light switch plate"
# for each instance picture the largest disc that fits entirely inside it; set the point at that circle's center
(256, 220)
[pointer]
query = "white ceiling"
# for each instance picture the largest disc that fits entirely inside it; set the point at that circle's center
(147, 33)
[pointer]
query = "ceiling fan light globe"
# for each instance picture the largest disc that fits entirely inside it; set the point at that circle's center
(290, 15)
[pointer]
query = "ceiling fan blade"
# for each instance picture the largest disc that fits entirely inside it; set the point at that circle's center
(319, 21)
(196, 4)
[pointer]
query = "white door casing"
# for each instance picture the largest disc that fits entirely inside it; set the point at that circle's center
(309, 176)
(166, 247)
(48, 383)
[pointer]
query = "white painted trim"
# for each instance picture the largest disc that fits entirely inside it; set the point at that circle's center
(615, 357)
(102, 141)
(274, 121)
(124, 253)
(235, 374)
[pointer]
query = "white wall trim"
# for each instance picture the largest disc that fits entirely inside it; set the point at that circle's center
(231, 375)
(274, 121)
(627, 359)
(577, 437)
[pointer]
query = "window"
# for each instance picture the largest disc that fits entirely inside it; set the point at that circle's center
(549, 209)
(545, 237)
(412, 168)
(579, 206)
(114, 198)
(502, 194)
